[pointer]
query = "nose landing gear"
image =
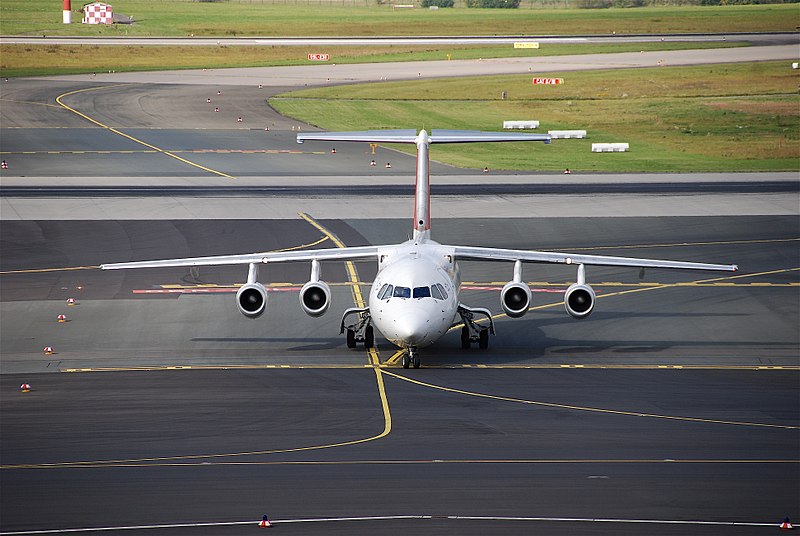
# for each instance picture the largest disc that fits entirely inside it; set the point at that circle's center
(411, 358)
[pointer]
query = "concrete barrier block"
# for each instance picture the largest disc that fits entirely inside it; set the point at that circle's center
(566, 134)
(520, 124)
(609, 147)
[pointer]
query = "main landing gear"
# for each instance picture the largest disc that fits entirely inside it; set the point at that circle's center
(411, 358)
(472, 331)
(359, 330)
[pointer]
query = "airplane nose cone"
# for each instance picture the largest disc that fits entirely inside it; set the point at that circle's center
(412, 329)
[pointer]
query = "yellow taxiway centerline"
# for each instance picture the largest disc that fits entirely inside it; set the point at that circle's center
(587, 408)
(115, 131)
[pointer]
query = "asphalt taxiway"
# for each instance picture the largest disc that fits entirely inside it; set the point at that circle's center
(676, 401)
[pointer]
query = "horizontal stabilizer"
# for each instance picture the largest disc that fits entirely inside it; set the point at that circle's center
(466, 136)
(411, 136)
(373, 136)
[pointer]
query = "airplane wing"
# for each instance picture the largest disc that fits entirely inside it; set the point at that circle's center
(496, 254)
(330, 254)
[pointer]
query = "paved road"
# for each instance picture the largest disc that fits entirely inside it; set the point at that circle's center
(677, 399)
(316, 75)
(760, 38)
(219, 446)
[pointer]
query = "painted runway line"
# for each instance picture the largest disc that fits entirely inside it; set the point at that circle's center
(402, 518)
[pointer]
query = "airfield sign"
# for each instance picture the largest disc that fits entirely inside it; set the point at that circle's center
(548, 81)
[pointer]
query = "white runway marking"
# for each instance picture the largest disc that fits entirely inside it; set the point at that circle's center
(402, 517)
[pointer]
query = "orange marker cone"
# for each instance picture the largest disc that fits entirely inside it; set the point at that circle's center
(70, 301)
(264, 522)
(786, 525)
(48, 350)
(25, 388)
(62, 318)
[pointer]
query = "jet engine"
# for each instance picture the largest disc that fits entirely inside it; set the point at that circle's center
(515, 299)
(579, 300)
(315, 297)
(251, 299)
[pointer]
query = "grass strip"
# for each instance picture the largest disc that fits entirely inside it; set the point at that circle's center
(247, 18)
(733, 117)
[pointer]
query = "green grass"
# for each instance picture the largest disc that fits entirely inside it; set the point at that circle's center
(232, 18)
(708, 118)
(42, 60)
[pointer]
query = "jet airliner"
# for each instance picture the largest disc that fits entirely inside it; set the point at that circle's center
(414, 299)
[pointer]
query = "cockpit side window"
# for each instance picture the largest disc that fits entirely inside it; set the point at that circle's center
(386, 292)
(402, 292)
(422, 292)
(436, 293)
(441, 290)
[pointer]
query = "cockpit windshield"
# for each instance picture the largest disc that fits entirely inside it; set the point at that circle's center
(422, 292)
(435, 291)
(402, 292)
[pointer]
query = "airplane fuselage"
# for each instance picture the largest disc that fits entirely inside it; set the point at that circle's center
(414, 299)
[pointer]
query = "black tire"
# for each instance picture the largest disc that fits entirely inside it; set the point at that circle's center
(465, 338)
(369, 338)
(415, 361)
(351, 338)
(483, 339)
(406, 360)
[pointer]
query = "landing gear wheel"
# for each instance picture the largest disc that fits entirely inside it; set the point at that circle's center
(465, 338)
(406, 360)
(369, 338)
(415, 360)
(351, 338)
(483, 339)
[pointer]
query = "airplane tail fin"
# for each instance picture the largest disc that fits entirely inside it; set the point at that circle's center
(422, 196)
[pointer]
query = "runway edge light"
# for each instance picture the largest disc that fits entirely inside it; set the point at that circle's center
(264, 522)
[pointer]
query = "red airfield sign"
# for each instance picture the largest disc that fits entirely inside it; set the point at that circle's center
(319, 57)
(548, 81)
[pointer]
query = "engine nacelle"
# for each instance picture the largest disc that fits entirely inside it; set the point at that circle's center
(251, 299)
(579, 300)
(315, 297)
(515, 299)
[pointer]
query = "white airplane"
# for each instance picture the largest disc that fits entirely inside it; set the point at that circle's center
(414, 299)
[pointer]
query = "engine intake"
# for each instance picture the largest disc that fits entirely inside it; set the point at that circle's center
(251, 299)
(579, 300)
(515, 299)
(315, 297)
